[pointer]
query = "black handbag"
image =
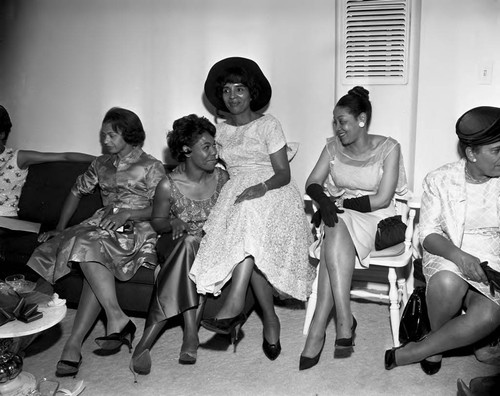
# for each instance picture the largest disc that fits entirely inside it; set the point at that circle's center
(414, 323)
(390, 232)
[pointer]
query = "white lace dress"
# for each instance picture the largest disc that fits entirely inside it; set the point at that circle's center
(272, 229)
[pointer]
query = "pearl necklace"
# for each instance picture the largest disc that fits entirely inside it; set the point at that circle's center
(472, 179)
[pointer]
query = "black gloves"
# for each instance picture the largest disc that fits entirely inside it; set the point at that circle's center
(327, 206)
(361, 204)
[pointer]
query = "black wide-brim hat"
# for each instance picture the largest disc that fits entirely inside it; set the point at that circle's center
(479, 126)
(220, 69)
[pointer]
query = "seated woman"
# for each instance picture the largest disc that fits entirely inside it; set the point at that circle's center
(365, 172)
(459, 230)
(258, 232)
(113, 243)
(181, 206)
(14, 166)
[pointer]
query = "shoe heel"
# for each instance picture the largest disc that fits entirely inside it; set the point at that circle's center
(131, 368)
(235, 332)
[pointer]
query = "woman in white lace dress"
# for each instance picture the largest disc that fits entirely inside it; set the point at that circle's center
(257, 232)
(362, 172)
(459, 230)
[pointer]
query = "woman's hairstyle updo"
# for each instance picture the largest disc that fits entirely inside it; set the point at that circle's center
(357, 101)
(186, 132)
(237, 75)
(127, 123)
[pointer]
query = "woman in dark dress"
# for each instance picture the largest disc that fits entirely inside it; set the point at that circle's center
(182, 203)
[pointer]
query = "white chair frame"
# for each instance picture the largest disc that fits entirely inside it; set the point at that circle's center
(398, 286)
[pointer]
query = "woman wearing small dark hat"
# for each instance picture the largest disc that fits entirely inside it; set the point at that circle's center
(459, 232)
(257, 232)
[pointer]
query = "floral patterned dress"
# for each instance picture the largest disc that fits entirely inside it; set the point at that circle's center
(12, 180)
(273, 229)
(127, 183)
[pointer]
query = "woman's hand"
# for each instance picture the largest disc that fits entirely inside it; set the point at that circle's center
(45, 236)
(113, 221)
(178, 228)
(252, 192)
(470, 266)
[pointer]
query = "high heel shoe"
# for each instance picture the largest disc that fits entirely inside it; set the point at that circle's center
(308, 362)
(430, 368)
(141, 364)
(68, 368)
(390, 357)
(272, 351)
(226, 326)
(344, 346)
(115, 340)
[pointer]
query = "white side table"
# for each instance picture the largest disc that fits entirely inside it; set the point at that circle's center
(53, 312)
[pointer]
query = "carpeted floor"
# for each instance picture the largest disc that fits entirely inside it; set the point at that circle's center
(219, 371)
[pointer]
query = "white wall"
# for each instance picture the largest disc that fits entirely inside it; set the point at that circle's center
(65, 63)
(457, 37)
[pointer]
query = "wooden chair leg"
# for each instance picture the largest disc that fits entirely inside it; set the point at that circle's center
(394, 306)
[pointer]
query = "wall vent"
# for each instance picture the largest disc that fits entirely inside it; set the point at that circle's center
(375, 35)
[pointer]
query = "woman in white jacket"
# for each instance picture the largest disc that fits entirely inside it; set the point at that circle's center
(459, 231)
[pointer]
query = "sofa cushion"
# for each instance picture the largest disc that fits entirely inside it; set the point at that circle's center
(43, 196)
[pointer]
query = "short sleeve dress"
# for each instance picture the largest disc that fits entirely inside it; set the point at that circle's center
(354, 177)
(128, 183)
(12, 180)
(273, 229)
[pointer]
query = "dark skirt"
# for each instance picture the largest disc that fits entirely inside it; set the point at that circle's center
(174, 292)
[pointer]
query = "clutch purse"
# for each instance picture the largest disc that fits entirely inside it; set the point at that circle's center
(390, 232)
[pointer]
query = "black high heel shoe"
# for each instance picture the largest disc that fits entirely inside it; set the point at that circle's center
(272, 351)
(68, 368)
(430, 368)
(141, 364)
(390, 357)
(114, 341)
(344, 347)
(226, 326)
(308, 362)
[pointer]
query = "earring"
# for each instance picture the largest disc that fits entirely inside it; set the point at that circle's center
(474, 160)
(361, 124)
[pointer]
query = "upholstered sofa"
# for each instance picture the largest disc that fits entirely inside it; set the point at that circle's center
(41, 200)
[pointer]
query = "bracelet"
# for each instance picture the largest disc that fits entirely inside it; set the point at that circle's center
(265, 185)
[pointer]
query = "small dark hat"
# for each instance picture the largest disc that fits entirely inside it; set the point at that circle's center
(479, 126)
(5, 123)
(251, 68)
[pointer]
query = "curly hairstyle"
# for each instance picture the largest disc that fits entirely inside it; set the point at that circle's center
(5, 123)
(127, 123)
(357, 101)
(186, 132)
(237, 75)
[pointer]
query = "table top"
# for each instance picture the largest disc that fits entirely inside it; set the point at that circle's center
(52, 314)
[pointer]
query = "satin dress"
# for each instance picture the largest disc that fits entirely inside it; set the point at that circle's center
(129, 183)
(174, 292)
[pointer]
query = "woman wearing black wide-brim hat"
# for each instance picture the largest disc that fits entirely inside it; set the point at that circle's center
(257, 232)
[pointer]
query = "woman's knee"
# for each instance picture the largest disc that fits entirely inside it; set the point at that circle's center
(487, 312)
(447, 285)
